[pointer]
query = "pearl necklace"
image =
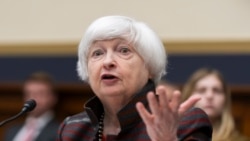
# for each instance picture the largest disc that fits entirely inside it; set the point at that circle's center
(100, 128)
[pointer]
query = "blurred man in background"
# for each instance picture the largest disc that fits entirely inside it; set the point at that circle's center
(40, 124)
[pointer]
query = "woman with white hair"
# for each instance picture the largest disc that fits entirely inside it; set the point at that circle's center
(122, 60)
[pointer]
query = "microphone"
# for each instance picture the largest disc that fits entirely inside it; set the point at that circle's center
(27, 107)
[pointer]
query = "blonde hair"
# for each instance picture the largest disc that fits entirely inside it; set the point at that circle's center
(225, 127)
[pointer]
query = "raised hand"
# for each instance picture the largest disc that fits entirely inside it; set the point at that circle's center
(163, 118)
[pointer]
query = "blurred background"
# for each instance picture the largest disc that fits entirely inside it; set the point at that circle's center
(43, 35)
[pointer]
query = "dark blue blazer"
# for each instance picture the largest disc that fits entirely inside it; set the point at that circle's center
(48, 133)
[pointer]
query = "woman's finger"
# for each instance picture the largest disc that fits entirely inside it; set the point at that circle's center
(189, 103)
(175, 102)
(153, 103)
(163, 98)
(145, 115)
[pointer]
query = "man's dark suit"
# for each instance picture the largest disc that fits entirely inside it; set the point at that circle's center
(48, 133)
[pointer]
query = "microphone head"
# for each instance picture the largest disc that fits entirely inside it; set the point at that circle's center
(29, 105)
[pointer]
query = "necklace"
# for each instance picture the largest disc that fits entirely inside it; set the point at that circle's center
(100, 128)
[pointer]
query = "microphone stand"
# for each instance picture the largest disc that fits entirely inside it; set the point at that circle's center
(28, 106)
(11, 118)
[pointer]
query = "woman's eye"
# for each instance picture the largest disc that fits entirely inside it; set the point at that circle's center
(200, 90)
(97, 53)
(218, 90)
(124, 50)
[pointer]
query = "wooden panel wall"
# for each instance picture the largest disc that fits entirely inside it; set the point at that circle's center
(240, 108)
(73, 96)
(174, 47)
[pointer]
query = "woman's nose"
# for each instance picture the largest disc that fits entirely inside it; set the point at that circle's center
(209, 94)
(109, 61)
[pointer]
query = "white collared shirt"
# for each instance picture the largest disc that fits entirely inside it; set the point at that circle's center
(40, 123)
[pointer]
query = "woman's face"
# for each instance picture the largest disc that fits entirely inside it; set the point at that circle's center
(212, 95)
(115, 69)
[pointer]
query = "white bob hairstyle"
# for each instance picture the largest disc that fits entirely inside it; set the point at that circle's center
(145, 41)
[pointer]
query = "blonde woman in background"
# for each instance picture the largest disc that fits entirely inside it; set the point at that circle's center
(215, 100)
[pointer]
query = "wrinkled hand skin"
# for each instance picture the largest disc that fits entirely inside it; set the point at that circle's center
(163, 120)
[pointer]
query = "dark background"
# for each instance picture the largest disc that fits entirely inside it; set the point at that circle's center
(235, 68)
